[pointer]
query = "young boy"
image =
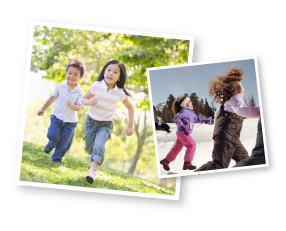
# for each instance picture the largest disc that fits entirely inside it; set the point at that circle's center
(67, 95)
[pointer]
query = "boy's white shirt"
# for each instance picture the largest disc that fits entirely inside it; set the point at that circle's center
(61, 109)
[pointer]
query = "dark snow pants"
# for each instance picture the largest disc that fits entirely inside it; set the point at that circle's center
(227, 143)
(257, 155)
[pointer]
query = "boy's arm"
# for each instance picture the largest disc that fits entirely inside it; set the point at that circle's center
(46, 105)
(129, 106)
(75, 107)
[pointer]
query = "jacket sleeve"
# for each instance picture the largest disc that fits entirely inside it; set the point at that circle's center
(197, 119)
(178, 120)
(241, 109)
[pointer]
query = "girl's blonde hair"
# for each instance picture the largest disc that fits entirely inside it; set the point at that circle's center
(176, 108)
(222, 88)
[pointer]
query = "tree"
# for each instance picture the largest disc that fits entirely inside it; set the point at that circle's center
(155, 114)
(207, 112)
(249, 99)
(201, 107)
(195, 100)
(169, 104)
(141, 135)
(245, 101)
(213, 108)
(252, 101)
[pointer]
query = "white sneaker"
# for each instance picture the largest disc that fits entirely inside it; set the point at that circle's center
(90, 176)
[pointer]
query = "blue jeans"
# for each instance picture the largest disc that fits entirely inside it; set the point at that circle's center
(96, 134)
(60, 135)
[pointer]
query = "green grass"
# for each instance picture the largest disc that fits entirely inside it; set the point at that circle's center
(37, 166)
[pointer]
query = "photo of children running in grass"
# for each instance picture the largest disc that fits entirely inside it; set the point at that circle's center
(88, 118)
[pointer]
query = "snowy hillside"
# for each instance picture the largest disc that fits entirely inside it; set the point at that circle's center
(202, 135)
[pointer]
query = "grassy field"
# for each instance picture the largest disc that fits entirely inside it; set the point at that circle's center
(37, 166)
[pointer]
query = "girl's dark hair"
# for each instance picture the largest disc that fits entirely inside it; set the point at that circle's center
(77, 64)
(121, 82)
(176, 108)
(222, 88)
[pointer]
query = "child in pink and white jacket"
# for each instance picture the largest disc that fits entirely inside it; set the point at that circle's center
(184, 119)
(228, 91)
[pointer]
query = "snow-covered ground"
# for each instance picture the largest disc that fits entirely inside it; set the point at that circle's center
(202, 135)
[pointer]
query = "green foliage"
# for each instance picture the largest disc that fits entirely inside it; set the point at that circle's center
(37, 167)
(55, 47)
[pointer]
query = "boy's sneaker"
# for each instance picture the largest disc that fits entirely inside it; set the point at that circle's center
(165, 164)
(91, 175)
(48, 149)
(188, 165)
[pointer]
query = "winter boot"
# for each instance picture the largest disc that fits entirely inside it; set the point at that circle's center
(188, 165)
(165, 164)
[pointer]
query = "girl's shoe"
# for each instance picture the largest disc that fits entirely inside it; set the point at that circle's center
(90, 176)
(165, 164)
(188, 165)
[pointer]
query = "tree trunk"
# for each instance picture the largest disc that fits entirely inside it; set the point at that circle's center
(141, 139)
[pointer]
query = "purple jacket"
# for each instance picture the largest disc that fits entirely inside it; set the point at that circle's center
(187, 116)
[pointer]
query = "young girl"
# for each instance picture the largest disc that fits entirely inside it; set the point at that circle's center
(228, 91)
(102, 97)
(184, 119)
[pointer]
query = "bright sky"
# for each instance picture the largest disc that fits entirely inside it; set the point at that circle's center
(38, 88)
(180, 80)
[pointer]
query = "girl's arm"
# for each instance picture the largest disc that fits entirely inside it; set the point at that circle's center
(86, 99)
(198, 119)
(177, 120)
(129, 106)
(46, 105)
(241, 109)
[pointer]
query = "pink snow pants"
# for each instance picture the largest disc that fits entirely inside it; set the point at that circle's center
(182, 141)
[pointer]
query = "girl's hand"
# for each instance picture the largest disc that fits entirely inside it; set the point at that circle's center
(129, 131)
(93, 101)
(210, 121)
(185, 130)
(69, 104)
(40, 112)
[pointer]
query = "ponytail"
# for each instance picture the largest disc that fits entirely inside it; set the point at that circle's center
(126, 92)
(176, 106)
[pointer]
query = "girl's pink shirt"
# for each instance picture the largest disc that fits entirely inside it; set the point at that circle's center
(236, 105)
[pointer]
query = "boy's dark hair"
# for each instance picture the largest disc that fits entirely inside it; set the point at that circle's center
(77, 64)
(222, 88)
(176, 108)
(122, 76)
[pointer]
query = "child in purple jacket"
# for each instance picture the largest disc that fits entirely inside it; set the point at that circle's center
(184, 119)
